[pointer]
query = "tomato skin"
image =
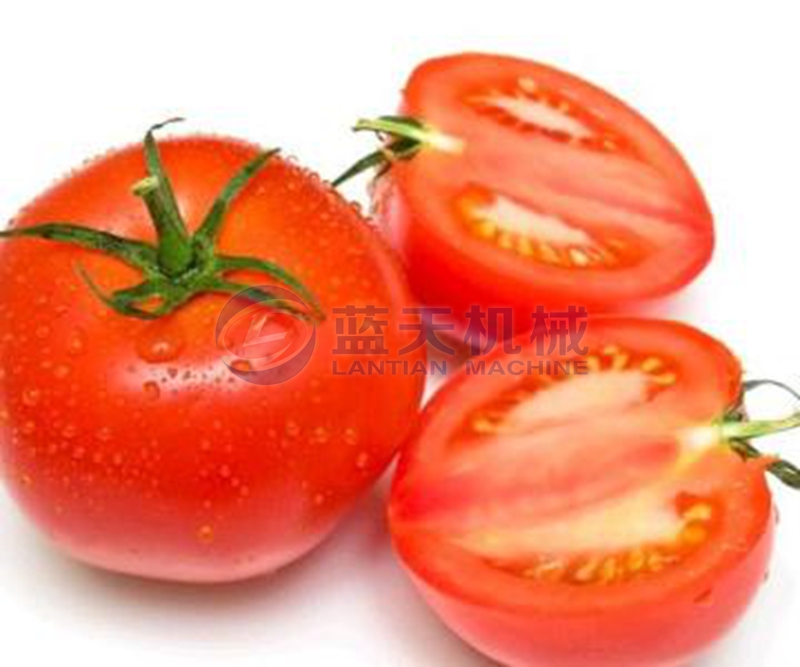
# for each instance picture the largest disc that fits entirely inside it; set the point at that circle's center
(653, 193)
(669, 634)
(666, 620)
(129, 442)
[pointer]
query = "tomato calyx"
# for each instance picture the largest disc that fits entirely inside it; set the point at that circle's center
(180, 265)
(737, 431)
(403, 137)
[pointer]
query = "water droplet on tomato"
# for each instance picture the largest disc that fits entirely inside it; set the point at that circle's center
(362, 461)
(42, 332)
(69, 431)
(151, 390)
(242, 365)
(205, 534)
(61, 371)
(30, 397)
(75, 345)
(156, 346)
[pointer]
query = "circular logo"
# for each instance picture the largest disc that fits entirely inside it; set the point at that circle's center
(264, 334)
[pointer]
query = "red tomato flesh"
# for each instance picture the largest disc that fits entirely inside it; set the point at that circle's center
(557, 193)
(587, 519)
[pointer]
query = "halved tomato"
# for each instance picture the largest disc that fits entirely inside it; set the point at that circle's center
(526, 185)
(581, 510)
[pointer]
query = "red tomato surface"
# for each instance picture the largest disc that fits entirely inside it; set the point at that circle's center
(559, 193)
(576, 520)
(131, 443)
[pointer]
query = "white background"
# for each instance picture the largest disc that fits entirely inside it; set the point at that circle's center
(722, 79)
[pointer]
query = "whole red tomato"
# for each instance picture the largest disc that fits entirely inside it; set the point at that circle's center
(512, 183)
(604, 511)
(130, 432)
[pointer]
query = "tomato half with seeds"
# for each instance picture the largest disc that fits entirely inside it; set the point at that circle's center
(594, 511)
(158, 416)
(513, 183)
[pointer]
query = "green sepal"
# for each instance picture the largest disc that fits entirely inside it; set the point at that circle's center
(739, 431)
(257, 295)
(209, 229)
(380, 160)
(227, 263)
(122, 301)
(138, 254)
(179, 266)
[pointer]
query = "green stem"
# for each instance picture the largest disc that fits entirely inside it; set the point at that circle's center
(404, 137)
(174, 250)
(749, 430)
(739, 431)
(175, 253)
(155, 168)
(395, 126)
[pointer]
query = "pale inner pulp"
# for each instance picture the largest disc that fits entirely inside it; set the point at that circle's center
(609, 404)
(540, 114)
(509, 216)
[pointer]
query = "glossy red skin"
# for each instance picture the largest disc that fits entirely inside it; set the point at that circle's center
(669, 634)
(448, 267)
(673, 619)
(130, 443)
